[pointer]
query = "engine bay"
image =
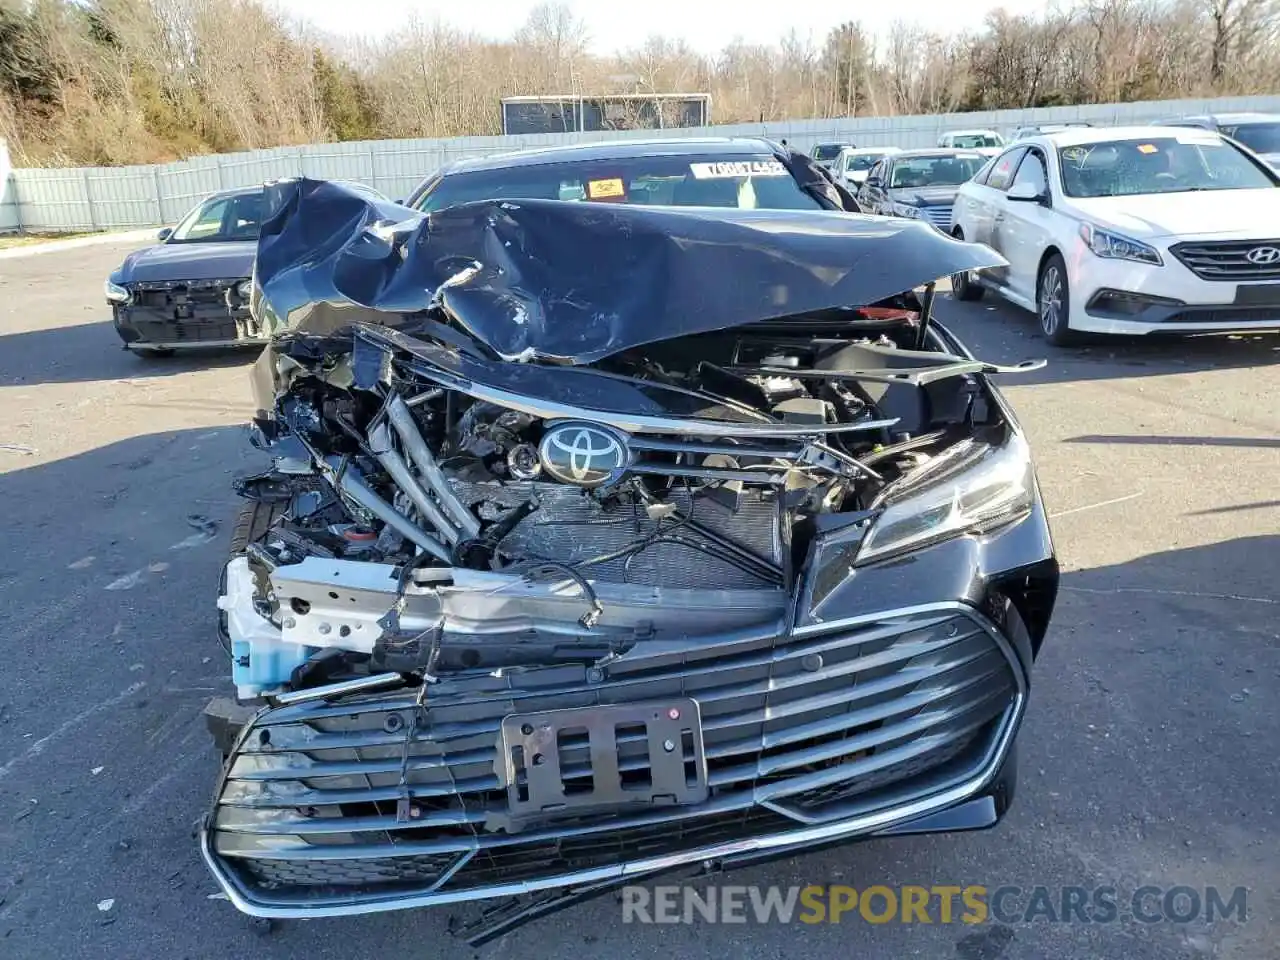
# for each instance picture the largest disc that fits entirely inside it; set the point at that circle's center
(675, 488)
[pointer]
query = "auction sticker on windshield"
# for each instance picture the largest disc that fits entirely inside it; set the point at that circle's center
(737, 168)
(605, 189)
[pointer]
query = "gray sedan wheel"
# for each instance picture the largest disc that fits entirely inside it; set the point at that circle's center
(1053, 302)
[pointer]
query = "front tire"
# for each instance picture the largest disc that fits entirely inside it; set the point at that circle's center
(963, 286)
(1053, 302)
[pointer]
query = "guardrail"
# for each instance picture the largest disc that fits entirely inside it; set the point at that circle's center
(110, 198)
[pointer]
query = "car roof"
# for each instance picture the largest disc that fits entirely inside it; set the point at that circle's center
(615, 150)
(1085, 135)
(857, 150)
(232, 192)
(1231, 118)
(940, 152)
(970, 132)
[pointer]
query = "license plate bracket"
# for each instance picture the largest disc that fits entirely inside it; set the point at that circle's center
(571, 761)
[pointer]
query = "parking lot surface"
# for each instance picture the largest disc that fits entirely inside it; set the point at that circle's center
(1148, 757)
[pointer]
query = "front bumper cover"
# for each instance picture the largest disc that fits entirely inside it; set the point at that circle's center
(898, 721)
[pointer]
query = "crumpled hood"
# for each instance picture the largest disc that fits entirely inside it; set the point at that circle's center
(1253, 214)
(575, 282)
(188, 261)
(924, 196)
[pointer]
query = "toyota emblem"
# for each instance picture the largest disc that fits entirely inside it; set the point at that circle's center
(1264, 256)
(582, 454)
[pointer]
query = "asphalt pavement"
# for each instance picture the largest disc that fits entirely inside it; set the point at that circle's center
(1148, 757)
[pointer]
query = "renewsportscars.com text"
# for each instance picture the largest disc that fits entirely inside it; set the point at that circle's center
(971, 904)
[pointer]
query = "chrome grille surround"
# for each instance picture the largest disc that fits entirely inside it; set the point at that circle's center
(1226, 260)
(939, 216)
(785, 719)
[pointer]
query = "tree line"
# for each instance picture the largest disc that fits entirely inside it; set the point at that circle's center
(112, 82)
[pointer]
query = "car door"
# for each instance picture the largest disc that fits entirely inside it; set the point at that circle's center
(1023, 226)
(976, 206)
(988, 218)
(872, 195)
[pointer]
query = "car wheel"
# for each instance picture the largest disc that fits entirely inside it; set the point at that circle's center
(1053, 302)
(963, 286)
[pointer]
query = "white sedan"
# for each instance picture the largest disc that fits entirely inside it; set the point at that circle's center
(1128, 230)
(852, 164)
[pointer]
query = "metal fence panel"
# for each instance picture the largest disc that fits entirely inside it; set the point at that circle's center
(93, 198)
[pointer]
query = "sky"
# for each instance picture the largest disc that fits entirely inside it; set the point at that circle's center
(707, 25)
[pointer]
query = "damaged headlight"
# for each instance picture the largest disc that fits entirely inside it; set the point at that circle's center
(115, 293)
(972, 488)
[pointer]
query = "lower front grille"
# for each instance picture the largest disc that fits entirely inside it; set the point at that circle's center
(175, 331)
(1227, 315)
(826, 726)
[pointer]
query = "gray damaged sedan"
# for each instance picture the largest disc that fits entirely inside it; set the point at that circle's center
(602, 541)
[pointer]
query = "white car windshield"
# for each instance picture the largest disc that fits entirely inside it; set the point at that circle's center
(970, 141)
(1178, 163)
(862, 161)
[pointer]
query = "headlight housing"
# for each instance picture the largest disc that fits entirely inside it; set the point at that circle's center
(115, 293)
(904, 210)
(1116, 246)
(974, 487)
(244, 288)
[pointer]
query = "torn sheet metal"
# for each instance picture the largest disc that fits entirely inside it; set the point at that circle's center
(537, 279)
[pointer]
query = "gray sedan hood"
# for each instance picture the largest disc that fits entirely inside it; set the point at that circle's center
(189, 261)
(575, 282)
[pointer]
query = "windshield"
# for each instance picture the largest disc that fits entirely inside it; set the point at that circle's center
(862, 161)
(1178, 163)
(1258, 137)
(826, 151)
(221, 219)
(745, 182)
(971, 140)
(935, 171)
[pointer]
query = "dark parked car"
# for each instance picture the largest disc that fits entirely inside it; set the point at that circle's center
(609, 538)
(746, 173)
(1260, 132)
(191, 289)
(920, 184)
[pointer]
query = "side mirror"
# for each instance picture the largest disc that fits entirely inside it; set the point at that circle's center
(873, 181)
(164, 234)
(1025, 193)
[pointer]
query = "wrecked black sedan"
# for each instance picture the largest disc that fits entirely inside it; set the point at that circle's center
(603, 540)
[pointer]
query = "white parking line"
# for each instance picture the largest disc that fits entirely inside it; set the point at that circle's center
(37, 748)
(1095, 506)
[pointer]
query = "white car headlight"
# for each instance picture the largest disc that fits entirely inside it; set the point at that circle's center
(972, 488)
(244, 288)
(1116, 246)
(904, 210)
(115, 293)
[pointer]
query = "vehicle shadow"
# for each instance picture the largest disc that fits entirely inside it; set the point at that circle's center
(90, 352)
(999, 332)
